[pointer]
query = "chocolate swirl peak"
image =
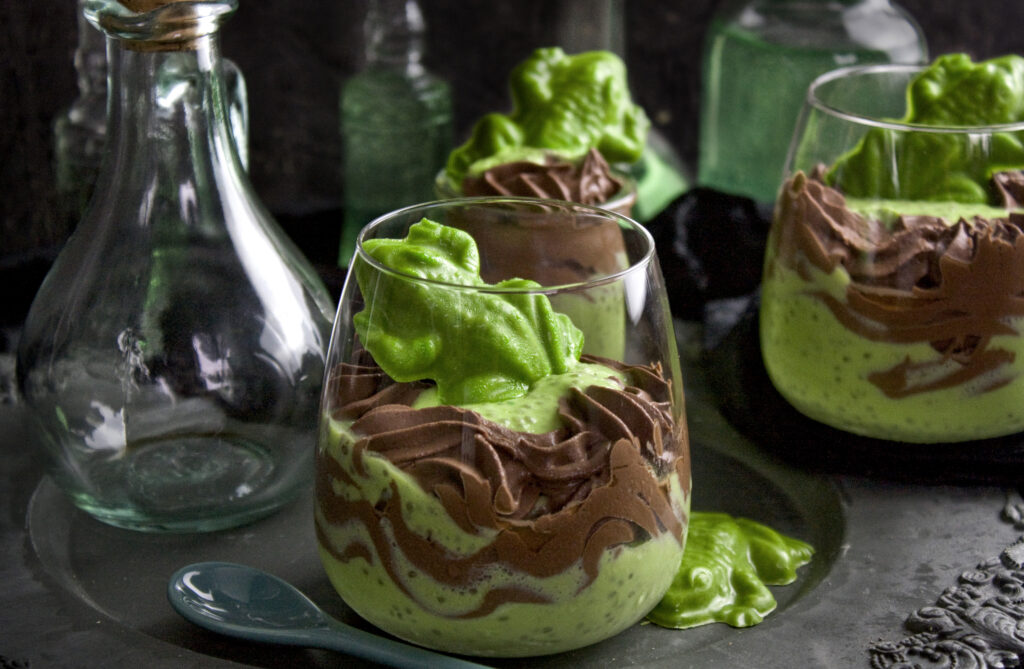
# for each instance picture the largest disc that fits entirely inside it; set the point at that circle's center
(589, 181)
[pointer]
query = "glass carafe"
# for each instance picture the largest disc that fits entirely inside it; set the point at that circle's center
(173, 356)
(80, 132)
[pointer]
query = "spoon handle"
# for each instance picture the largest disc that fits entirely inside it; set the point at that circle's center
(354, 641)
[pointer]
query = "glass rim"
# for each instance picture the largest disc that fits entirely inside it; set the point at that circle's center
(813, 99)
(640, 264)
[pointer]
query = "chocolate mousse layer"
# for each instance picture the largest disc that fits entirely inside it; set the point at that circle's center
(550, 245)
(551, 500)
(553, 249)
(1010, 186)
(588, 182)
(953, 284)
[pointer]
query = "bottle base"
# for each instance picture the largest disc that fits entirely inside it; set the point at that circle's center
(194, 483)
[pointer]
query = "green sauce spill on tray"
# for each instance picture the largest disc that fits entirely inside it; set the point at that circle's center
(726, 567)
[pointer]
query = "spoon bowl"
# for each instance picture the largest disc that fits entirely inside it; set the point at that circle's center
(243, 602)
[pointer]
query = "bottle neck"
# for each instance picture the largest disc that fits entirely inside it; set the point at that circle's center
(167, 109)
(395, 32)
(90, 61)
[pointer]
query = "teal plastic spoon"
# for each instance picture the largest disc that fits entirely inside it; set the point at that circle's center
(247, 603)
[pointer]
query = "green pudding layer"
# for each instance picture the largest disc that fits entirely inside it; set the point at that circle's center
(822, 369)
(537, 410)
(409, 604)
(888, 211)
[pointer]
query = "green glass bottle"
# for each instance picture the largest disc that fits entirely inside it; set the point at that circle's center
(759, 58)
(396, 121)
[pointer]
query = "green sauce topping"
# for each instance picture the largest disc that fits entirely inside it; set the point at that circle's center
(726, 566)
(562, 104)
(888, 211)
(536, 412)
(478, 346)
(952, 91)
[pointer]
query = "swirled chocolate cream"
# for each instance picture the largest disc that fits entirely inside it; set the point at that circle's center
(894, 307)
(897, 320)
(588, 181)
(509, 498)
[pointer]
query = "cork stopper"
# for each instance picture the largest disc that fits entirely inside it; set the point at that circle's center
(143, 6)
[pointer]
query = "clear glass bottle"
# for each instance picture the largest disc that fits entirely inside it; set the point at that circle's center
(173, 357)
(396, 121)
(80, 132)
(759, 58)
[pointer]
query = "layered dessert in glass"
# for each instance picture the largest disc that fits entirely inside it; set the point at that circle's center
(893, 297)
(486, 484)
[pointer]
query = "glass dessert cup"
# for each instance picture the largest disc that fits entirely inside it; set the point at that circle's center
(891, 301)
(525, 524)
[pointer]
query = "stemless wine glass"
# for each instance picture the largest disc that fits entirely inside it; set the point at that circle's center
(522, 524)
(893, 283)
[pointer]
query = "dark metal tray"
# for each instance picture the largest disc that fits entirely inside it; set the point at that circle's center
(77, 593)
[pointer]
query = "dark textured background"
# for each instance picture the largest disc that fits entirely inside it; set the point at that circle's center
(296, 54)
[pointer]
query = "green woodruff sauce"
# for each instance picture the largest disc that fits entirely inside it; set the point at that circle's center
(727, 564)
(478, 346)
(952, 91)
(563, 105)
(536, 412)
